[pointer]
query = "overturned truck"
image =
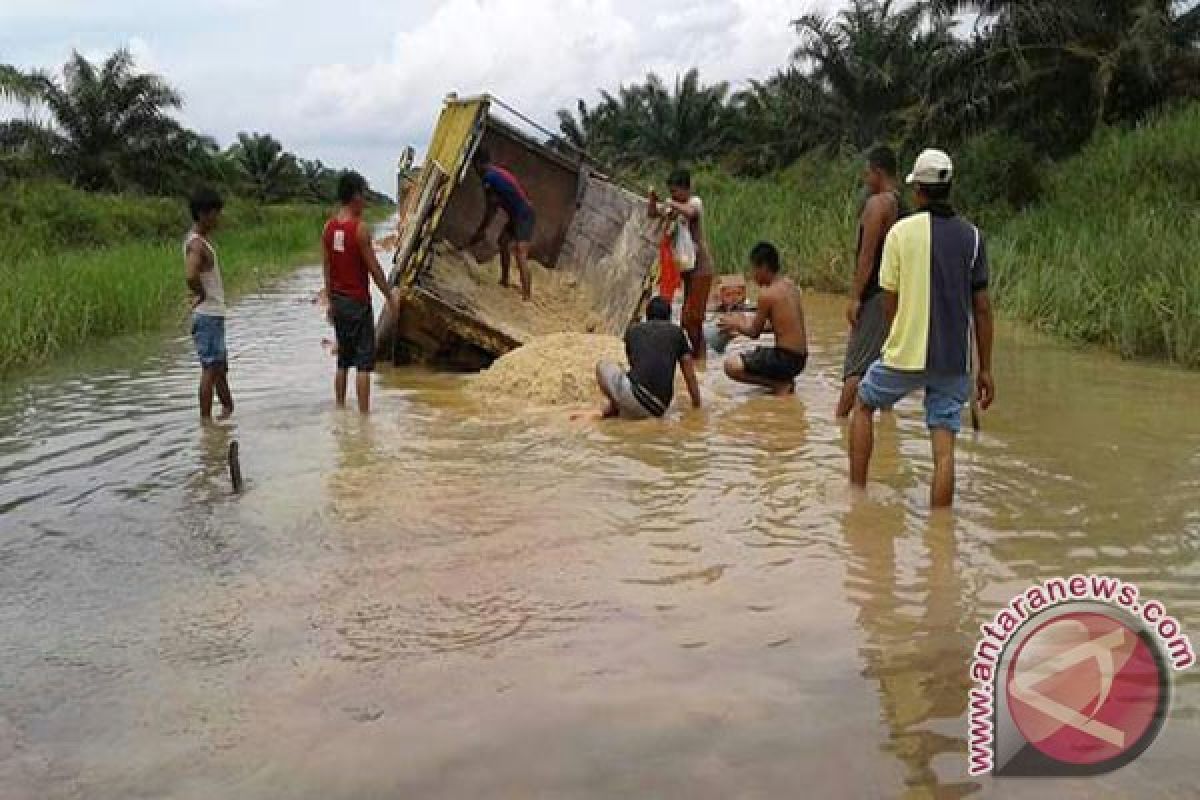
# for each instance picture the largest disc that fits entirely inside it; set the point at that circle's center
(592, 236)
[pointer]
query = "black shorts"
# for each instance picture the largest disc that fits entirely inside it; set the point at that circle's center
(520, 228)
(774, 363)
(354, 325)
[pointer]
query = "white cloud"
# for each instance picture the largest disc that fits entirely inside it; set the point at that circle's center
(354, 82)
(144, 57)
(540, 55)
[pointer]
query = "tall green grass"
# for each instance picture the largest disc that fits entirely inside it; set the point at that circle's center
(1105, 255)
(809, 211)
(1110, 257)
(46, 217)
(75, 268)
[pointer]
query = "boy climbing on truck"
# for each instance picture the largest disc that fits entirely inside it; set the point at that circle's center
(502, 190)
(697, 281)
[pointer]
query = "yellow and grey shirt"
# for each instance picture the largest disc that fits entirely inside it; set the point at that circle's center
(934, 261)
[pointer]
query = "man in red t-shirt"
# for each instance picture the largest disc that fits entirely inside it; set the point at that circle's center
(349, 259)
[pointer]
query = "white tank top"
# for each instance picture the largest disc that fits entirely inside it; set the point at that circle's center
(214, 289)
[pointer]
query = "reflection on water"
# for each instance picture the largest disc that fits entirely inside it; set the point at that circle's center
(439, 601)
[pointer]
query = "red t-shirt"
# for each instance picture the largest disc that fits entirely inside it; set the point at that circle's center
(347, 267)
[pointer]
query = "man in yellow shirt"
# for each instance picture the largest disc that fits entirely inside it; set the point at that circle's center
(935, 280)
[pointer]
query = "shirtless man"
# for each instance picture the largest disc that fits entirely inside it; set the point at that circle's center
(779, 307)
(868, 324)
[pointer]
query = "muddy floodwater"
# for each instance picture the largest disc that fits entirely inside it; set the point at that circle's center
(447, 601)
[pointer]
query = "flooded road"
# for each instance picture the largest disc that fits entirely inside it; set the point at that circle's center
(440, 601)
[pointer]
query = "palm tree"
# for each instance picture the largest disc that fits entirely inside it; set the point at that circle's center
(1128, 56)
(320, 182)
(183, 160)
(687, 123)
(609, 130)
(18, 86)
(778, 120)
(105, 121)
(579, 132)
(270, 173)
(868, 67)
(649, 123)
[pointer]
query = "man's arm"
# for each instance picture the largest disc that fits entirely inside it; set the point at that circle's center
(195, 262)
(688, 211)
(489, 213)
(891, 301)
(326, 269)
(984, 327)
(367, 248)
(874, 216)
(736, 323)
(687, 365)
(984, 331)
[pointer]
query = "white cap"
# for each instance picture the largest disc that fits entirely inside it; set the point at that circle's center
(932, 167)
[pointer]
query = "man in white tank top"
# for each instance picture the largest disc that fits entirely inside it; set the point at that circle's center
(208, 302)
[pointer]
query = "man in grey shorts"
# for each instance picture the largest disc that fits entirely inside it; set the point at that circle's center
(654, 348)
(868, 324)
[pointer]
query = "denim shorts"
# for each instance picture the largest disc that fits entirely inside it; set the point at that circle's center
(945, 394)
(208, 332)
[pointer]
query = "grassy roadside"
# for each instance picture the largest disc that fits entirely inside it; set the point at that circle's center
(1110, 257)
(76, 267)
(809, 211)
(1105, 255)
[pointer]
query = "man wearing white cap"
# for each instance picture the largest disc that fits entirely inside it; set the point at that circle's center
(935, 279)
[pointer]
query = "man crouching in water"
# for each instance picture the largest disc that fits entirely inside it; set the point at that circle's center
(654, 348)
(779, 307)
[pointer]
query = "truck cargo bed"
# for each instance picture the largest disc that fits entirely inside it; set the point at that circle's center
(594, 249)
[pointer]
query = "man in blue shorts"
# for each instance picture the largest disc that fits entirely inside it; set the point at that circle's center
(934, 277)
(502, 190)
(203, 275)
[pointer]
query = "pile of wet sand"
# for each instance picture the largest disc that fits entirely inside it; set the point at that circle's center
(558, 369)
(560, 304)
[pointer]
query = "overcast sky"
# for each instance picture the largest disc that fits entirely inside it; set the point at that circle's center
(352, 81)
